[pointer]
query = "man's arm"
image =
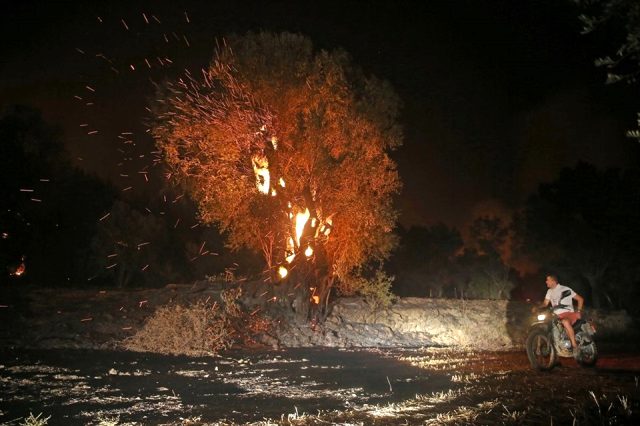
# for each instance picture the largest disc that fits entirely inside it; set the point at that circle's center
(580, 301)
(545, 303)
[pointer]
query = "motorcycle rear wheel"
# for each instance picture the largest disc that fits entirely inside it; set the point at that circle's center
(540, 350)
(588, 355)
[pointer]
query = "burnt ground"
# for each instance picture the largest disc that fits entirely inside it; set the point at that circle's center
(316, 386)
(73, 374)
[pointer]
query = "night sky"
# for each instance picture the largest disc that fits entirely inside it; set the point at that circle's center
(498, 95)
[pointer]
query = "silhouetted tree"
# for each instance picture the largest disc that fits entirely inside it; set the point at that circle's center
(482, 266)
(619, 21)
(586, 224)
(49, 207)
(423, 264)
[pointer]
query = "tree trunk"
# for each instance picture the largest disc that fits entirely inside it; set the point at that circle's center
(594, 285)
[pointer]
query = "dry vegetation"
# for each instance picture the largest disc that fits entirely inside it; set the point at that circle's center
(204, 327)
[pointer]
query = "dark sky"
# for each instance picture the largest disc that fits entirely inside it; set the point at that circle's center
(498, 95)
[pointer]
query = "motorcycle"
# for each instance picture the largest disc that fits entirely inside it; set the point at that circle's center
(547, 340)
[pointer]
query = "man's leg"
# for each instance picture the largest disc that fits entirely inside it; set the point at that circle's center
(572, 336)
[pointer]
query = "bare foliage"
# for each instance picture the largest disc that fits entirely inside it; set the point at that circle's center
(273, 129)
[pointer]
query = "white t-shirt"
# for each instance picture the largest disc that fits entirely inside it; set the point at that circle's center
(555, 295)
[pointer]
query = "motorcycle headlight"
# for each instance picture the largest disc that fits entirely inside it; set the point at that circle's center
(541, 317)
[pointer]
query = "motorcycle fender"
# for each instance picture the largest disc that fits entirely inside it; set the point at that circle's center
(544, 326)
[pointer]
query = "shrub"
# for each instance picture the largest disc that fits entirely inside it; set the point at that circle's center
(201, 328)
(376, 290)
(198, 329)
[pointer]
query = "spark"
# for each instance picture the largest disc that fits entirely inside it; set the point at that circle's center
(86, 319)
(145, 17)
(91, 89)
(26, 190)
(111, 266)
(144, 268)
(186, 16)
(80, 50)
(37, 200)
(126, 27)
(127, 188)
(141, 303)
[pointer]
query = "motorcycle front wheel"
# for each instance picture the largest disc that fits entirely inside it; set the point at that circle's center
(540, 350)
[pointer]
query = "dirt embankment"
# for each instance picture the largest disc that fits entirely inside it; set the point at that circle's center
(35, 317)
(473, 324)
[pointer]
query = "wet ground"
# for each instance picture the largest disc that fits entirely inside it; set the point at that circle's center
(315, 386)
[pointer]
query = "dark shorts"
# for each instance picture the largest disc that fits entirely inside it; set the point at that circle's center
(571, 316)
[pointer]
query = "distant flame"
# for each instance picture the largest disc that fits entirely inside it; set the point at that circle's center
(315, 299)
(20, 269)
(261, 169)
(281, 182)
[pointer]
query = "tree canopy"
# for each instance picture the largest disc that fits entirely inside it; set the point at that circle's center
(275, 135)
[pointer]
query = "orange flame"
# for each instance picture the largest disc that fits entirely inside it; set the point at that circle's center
(308, 252)
(283, 272)
(261, 170)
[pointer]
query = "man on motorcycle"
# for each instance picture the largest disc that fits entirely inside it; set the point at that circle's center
(561, 299)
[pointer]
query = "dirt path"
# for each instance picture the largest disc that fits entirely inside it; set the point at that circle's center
(315, 386)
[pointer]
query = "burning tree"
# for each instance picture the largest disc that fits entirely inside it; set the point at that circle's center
(286, 149)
